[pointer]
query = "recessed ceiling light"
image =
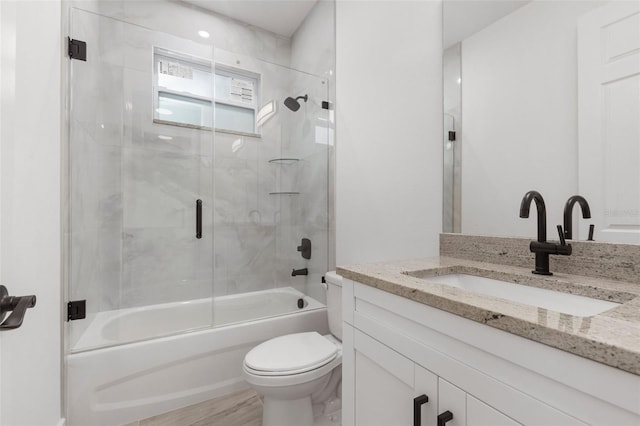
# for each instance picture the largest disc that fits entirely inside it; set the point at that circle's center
(165, 138)
(203, 34)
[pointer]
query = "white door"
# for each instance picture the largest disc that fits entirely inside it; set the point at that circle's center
(609, 120)
(30, 154)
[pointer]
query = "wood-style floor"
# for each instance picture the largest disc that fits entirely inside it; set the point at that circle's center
(242, 408)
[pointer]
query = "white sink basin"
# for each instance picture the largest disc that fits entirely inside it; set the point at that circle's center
(548, 299)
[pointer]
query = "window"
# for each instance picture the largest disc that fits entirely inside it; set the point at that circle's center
(236, 100)
(183, 94)
(182, 90)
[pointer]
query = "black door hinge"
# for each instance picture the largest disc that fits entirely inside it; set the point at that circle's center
(326, 105)
(452, 136)
(77, 49)
(76, 310)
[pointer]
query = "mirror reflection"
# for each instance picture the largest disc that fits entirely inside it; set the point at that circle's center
(542, 95)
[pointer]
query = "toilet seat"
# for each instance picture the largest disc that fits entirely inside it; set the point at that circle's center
(291, 354)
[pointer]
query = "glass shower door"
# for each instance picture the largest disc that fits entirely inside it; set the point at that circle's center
(140, 184)
(270, 194)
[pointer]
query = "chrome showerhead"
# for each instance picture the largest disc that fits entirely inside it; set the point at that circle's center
(293, 104)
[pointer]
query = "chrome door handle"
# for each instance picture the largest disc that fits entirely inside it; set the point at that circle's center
(18, 307)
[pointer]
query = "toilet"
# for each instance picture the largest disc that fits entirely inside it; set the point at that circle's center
(300, 375)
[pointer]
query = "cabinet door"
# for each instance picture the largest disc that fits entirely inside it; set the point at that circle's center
(451, 399)
(480, 414)
(426, 383)
(386, 384)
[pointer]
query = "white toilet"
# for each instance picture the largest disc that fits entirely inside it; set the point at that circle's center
(300, 375)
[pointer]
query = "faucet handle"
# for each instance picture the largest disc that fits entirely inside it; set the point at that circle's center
(563, 242)
(591, 229)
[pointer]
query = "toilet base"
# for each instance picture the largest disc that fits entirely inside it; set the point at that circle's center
(287, 412)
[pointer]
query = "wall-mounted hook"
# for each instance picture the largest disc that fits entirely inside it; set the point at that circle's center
(18, 306)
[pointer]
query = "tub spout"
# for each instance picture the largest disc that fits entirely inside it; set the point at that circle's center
(303, 271)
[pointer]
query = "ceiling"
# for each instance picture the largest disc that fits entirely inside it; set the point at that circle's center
(463, 18)
(282, 17)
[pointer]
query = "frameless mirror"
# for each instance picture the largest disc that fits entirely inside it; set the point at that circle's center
(542, 95)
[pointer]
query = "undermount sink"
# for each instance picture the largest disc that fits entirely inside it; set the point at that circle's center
(557, 301)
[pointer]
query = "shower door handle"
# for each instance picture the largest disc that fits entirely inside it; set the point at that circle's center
(198, 219)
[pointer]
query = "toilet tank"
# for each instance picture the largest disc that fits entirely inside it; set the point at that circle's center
(334, 303)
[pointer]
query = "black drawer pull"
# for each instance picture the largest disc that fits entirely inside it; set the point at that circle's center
(418, 401)
(444, 417)
(198, 219)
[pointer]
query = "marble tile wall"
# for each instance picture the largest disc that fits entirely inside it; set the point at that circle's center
(184, 20)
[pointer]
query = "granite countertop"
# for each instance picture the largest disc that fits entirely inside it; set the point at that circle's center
(611, 337)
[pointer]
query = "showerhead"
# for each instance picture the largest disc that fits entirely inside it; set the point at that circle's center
(293, 104)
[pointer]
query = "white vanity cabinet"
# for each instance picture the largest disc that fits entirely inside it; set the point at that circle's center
(392, 390)
(396, 350)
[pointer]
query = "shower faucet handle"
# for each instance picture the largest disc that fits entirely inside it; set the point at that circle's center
(305, 248)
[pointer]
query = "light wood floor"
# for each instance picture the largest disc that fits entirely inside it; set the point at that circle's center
(242, 408)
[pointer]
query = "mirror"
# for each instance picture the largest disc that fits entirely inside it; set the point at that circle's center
(542, 95)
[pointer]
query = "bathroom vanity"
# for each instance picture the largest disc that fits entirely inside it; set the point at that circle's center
(437, 354)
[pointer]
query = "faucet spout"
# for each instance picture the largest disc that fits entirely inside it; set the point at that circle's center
(296, 272)
(525, 206)
(542, 248)
(568, 211)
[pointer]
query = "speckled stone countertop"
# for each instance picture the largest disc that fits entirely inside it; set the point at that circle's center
(612, 337)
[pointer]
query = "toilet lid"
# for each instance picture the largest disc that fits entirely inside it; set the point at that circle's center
(298, 352)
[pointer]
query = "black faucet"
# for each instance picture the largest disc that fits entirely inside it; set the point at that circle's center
(568, 210)
(542, 248)
(303, 271)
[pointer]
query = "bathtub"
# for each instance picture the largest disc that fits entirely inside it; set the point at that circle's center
(113, 382)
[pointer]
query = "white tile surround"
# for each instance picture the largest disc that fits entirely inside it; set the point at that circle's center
(133, 194)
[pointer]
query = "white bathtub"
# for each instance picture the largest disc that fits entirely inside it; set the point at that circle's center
(125, 382)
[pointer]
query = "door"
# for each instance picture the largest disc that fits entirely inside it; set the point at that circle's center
(140, 178)
(30, 152)
(608, 118)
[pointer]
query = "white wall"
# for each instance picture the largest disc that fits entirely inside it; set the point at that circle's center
(30, 156)
(519, 106)
(389, 130)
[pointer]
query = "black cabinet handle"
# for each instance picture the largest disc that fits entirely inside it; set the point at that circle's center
(198, 219)
(444, 417)
(418, 401)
